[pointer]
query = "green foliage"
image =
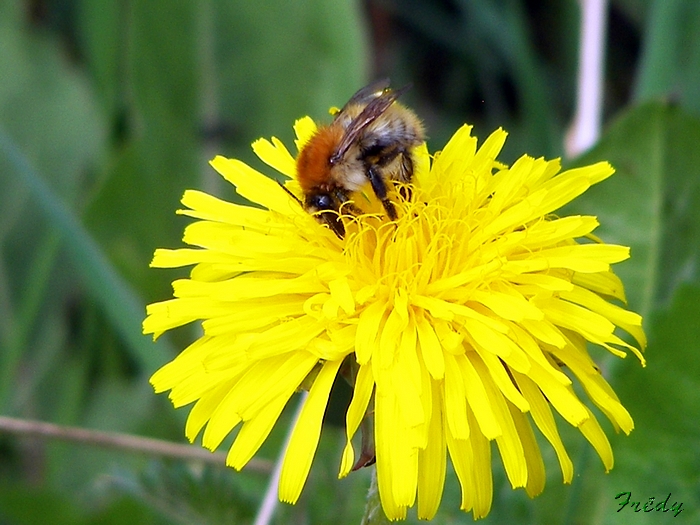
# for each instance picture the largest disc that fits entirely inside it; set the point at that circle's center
(110, 110)
(189, 495)
(670, 65)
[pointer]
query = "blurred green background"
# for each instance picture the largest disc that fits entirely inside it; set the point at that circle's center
(110, 110)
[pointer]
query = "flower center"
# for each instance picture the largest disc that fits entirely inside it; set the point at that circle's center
(429, 242)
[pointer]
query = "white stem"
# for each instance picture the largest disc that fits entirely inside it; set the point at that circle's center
(270, 501)
(585, 129)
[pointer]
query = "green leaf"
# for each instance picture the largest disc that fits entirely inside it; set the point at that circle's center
(670, 63)
(665, 396)
(100, 35)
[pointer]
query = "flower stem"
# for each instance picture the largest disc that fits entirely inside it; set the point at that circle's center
(114, 440)
(374, 514)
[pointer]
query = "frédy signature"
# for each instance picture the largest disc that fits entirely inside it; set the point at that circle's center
(663, 506)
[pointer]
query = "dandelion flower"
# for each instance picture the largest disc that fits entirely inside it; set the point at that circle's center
(465, 321)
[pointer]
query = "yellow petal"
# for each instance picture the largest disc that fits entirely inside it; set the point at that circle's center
(265, 381)
(543, 418)
(397, 467)
(488, 341)
(459, 150)
(253, 434)
(628, 321)
(341, 292)
(604, 283)
(304, 128)
(362, 392)
(561, 397)
(367, 330)
(455, 400)
(477, 398)
(302, 444)
(256, 187)
(591, 430)
(497, 372)
(207, 207)
(431, 349)
(533, 457)
(509, 306)
(432, 463)
(203, 408)
(275, 155)
(483, 481)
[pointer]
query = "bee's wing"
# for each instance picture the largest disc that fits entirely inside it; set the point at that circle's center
(367, 93)
(373, 110)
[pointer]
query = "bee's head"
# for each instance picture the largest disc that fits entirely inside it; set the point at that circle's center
(326, 207)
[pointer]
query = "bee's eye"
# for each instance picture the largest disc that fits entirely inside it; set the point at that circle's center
(321, 201)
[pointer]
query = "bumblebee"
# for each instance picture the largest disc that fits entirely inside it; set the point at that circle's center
(369, 140)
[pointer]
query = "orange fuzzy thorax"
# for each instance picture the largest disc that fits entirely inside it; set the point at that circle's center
(313, 162)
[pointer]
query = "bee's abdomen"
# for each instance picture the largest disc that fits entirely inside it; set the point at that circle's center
(399, 128)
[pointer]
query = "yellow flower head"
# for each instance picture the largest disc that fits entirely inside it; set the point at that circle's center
(469, 312)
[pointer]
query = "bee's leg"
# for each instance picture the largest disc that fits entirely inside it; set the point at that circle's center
(344, 200)
(334, 222)
(406, 174)
(379, 187)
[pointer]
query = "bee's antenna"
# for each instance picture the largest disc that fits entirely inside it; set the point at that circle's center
(400, 91)
(291, 194)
